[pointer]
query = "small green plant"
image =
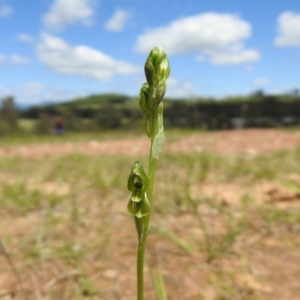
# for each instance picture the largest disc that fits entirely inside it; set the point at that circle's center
(140, 183)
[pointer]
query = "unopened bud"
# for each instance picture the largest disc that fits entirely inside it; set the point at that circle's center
(159, 93)
(155, 56)
(157, 66)
(163, 71)
(149, 71)
(147, 124)
(144, 101)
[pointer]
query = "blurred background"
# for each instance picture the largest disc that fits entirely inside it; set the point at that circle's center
(226, 215)
(83, 60)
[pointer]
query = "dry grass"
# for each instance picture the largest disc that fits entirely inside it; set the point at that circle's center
(224, 226)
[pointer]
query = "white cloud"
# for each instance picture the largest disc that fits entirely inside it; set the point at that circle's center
(261, 81)
(118, 21)
(233, 56)
(80, 60)
(35, 93)
(2, 58)
(19, 59)
(288, 27)
(69, 12)
(38, 93)
(26, 38)
(5, 11)
(15, 59)
(219, 36)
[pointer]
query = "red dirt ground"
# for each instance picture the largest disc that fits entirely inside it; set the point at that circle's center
(267, 266)
(249, 142)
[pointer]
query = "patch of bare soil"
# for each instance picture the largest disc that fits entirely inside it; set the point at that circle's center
(263, 262)
(247, 142)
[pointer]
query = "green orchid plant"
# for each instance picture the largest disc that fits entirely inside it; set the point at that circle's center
(140, 183)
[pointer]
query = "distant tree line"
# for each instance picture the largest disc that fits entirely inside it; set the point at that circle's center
(118, 112)
(266, 111)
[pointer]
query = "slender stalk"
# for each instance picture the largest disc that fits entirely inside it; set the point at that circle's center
(141, 185)
(144, 224)
(151, 175)
(140, 257)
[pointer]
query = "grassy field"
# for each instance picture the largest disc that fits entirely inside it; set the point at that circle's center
(223, 226)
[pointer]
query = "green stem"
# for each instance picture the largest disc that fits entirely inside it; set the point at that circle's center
(142, 225)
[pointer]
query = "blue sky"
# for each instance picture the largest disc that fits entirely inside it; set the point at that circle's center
(55, 50)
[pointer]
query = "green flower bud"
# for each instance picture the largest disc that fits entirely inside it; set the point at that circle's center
(155, 57)
(157, 66)
(147, 124)
(145, 89)
(159, 58)
(157, 70)
(144, 101)
(159, 93)
(149, 71)
(163, 71)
